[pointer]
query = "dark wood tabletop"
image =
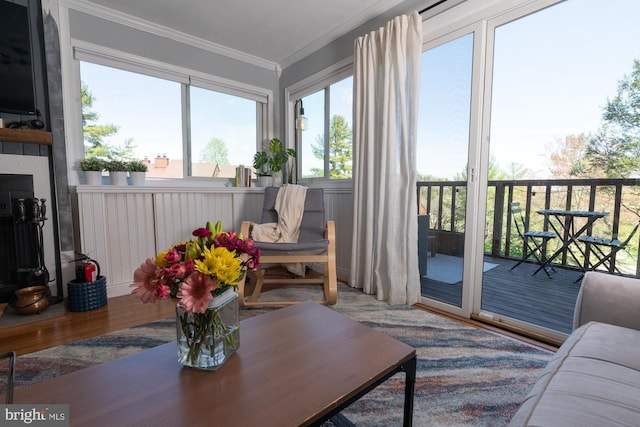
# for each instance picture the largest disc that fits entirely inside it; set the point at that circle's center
(295, 366)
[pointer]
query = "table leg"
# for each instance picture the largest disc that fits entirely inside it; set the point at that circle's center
(410, 368)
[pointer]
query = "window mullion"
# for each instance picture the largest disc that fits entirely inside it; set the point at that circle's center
(327, 127)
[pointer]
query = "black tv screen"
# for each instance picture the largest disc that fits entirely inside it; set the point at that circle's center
(16, 71)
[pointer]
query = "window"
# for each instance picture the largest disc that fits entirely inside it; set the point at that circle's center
(223, 132)
(325, 149)
(137, 116)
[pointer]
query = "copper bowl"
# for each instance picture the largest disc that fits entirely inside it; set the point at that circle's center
(31, 300)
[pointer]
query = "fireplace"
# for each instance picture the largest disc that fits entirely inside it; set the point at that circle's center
(22, 217)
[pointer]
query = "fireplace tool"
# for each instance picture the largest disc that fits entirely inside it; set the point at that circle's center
(34, 212)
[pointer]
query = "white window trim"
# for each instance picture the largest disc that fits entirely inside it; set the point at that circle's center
(313, 83)
(90, 52)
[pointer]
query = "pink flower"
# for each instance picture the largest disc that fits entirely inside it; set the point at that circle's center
(172, 256)
(145, 281)
(189, 266)
(195, 292)
(176, 270)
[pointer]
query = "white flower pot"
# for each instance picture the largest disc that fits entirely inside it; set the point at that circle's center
(265, 181)
(118, 177)
(93, 177)
(138, 178)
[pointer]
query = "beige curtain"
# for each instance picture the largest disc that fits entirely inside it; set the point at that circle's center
(384, 259)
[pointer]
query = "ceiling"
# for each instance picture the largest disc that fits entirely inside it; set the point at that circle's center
(278, 31)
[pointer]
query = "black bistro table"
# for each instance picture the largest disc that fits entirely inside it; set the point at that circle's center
(563, 223)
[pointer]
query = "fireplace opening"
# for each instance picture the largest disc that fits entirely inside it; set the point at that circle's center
(22, 217)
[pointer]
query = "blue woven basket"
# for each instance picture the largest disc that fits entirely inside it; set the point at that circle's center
(85, 296)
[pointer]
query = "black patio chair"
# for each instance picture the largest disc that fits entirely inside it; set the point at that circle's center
(599, 245)
(11, 355)
(533, 242)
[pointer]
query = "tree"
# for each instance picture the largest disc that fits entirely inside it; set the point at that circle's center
(215, 152)
(568, 157)
(614, 151)
(94, 133)
(340, 149)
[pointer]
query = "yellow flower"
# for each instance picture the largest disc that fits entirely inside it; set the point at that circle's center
(160, 262)
(222, 264)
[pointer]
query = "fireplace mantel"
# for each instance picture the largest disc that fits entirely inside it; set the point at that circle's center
(28, 136)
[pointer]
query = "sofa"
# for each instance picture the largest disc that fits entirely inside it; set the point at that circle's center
(594, 377)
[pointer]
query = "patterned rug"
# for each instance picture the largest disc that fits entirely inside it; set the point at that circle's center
(466, 375)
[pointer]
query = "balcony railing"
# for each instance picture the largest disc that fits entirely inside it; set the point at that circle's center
(445, 201)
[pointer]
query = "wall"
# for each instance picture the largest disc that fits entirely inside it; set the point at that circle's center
(120, 229)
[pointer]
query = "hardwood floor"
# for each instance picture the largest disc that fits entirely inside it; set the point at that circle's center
(124, 312)
(120, 312)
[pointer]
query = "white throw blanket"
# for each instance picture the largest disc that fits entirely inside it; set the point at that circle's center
(289, 205)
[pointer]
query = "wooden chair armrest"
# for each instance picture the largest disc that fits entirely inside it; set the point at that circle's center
(246, 228)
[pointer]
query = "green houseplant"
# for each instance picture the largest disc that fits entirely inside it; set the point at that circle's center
(137, 171)
(271, 162)
(92, 168)
(117, 171)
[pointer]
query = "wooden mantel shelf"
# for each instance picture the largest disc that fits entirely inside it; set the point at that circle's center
(26, 135)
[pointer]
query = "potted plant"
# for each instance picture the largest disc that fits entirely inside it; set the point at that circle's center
(92, 168)
(117, 171)
(137, 171)
(270, 163)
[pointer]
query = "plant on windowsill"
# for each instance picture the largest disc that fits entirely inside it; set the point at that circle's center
(117, 171)
(137, 171)
(270, 163)
(92, 168)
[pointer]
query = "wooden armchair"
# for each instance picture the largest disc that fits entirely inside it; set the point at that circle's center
(316, 244)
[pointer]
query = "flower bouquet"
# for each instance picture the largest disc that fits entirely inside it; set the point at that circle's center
(203, 274)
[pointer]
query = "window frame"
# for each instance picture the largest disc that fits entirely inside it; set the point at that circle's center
(100, 55)
(314, 83)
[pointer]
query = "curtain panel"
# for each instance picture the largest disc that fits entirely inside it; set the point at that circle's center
(386, 91)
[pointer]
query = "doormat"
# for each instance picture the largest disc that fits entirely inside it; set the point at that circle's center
(448, 269)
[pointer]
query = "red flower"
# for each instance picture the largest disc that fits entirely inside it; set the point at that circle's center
(201, 232)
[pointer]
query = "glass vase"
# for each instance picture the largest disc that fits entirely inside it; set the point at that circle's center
(207, 340)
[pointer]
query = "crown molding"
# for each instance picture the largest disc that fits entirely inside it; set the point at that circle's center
(159, 30)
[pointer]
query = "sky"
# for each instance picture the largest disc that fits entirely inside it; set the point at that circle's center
(553, 72)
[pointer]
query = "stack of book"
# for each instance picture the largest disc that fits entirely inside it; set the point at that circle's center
(243, 176)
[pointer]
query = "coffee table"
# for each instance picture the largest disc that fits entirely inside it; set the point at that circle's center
(299, 365)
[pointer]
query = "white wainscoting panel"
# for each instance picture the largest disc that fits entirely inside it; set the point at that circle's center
(179, 213)
(338, 205)
(117, 230)
(120, 228)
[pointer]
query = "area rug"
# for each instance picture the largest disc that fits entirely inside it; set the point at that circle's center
(466, 375)
(448, 269)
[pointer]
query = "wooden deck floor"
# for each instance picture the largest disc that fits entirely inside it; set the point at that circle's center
(539, 300)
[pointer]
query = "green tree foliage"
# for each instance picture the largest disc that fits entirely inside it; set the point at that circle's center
(340, 149)
(94, 134)
(497, 173)
(215, 152)
(614, 151)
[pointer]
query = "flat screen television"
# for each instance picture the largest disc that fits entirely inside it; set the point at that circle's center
(16, 69)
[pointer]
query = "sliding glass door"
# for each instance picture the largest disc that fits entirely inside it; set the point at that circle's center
(528, 106)
(442, 164)
(563, 101)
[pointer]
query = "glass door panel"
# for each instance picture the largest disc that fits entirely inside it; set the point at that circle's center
(556, 127)
(442, 161)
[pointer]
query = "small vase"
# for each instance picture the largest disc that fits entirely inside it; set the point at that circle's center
(207, 340)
